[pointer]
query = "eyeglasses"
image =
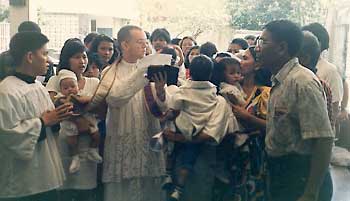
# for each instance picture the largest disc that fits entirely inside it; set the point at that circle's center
(260, 42)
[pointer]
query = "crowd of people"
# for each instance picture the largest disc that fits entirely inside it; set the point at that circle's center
(255, 122)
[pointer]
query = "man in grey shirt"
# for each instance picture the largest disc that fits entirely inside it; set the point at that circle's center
(299, 136)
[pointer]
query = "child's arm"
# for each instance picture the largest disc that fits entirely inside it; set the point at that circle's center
(81, 99)
(171, 115)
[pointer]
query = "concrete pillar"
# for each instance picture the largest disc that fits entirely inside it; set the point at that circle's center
(22, 11)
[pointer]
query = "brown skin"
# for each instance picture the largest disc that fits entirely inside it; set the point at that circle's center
(248, 66)
(135, 49)
(274, 55)
(35, 64)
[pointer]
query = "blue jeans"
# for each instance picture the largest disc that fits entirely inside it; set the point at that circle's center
(288, 178)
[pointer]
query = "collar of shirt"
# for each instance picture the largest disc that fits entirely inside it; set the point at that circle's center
(198, 84)
(284, 71)
(27, 78)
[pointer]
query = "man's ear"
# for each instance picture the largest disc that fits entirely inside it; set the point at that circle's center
(124, 45)
(283, 48)
(29, 57)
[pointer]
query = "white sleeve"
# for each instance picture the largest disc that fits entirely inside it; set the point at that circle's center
(336, 85)
(123, 90)
(182, 75)
(17, 134)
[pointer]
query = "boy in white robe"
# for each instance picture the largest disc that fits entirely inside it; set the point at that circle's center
(192, 108)
(30, 167)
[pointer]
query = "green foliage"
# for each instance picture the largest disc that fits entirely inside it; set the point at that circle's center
(4, 13)
(254, 14)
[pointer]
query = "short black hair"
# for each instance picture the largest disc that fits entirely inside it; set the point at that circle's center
(311, 47)
(170, 51)
(187, 60)
(148, 35)
(219, 69)
(201, 68)
(286, 31)
(29, 26)
(90, 37)
(160, 33)
(208, 49)
(320, 32)
(6, 64)
(23, 42)
(101, 38)
(94, 58)
(250, 37)
(241, 42)
(187, 37)
(70, 48)
(175, 41)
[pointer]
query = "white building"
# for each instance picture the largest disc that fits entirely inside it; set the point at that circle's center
(338, 23)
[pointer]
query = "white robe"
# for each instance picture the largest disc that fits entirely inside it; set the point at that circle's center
(27, 167)
(131, 170)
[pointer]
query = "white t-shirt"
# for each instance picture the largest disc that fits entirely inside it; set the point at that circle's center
(329, 73)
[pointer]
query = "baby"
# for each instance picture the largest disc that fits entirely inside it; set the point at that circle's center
(69, 93)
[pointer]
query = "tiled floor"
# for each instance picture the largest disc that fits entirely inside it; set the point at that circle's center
(341, 183)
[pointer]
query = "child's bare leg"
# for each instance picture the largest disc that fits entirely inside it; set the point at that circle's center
(93, 154)
(73, 145)
(95, 139)
(74, 152)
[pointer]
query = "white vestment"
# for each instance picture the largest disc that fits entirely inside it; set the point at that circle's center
(131, 171)
(27, 166)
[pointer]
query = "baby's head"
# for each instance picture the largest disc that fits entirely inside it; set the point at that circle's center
(201, 68)
(68, 82)
(227, 70)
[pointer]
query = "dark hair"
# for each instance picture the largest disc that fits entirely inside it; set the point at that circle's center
(320, 32)
(201, 68)
(101, 38)
(310, 47)
(222, 55)
(208, 49)
(241, 42)
(69, 49)
(219, 70)
(250, 37)
(94, 58)
(175, 41)
(29, 26)
(24, 42)
(187, 37)
(160, 34)
(148, 35)
(262, 75)
(172, 52)
(253, 52)
(187, 60)
(6, 63)
(90, 37)
(125, 35)
(286, 31)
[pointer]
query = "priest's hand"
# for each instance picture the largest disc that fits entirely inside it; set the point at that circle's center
(57, 115)
(160, 80)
